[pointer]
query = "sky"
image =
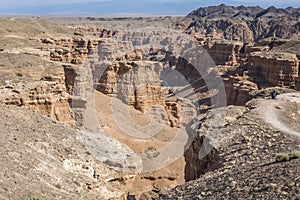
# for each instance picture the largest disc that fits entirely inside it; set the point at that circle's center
(34, 6)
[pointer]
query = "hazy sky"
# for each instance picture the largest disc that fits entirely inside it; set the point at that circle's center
(182, 7)
(29, 3)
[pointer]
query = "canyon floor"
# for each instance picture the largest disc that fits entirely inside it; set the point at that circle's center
(151, 107)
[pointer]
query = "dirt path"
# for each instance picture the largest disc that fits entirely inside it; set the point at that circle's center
(269, 112)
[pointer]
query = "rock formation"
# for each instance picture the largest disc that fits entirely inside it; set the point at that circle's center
(137, 83)
(239, 89)
(70, 50)
(50, 69)
(47, 98)
(43, 159)
(37, 85)
(224, 52)
(277, 69)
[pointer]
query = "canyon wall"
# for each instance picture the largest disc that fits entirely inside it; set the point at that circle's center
(47, 98)
(72, 50)
(40, 74)
(137, 83)
(239, 89)
(275, 69)
(224, 52)
(35, 84)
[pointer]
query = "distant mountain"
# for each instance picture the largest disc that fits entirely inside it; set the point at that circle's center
(247, 24)
(223, 11)
(147, 7)
(272, 11)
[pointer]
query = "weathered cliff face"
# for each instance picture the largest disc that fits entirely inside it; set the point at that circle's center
(275, 69)
(140, 86)
(137, 83)
(195, 166)
(202, 154)
(239, 89)
(35, 75)
(37, 85)
(72, 50)
(224, 52)
(46, 98)
(112, 74)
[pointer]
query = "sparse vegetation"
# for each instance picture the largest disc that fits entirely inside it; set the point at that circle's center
(283, 157)
(151, 152)
(295, 155)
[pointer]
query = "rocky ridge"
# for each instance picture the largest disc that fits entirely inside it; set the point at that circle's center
(245, 24)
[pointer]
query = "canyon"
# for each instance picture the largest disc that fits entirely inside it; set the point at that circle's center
(129, 108)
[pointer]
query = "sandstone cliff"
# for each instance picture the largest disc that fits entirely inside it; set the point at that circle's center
(224, 52)
(239, 89)
(35, 84)
(70, 49)
(46, 98)
(276, 69)
(137, 83)
(40, 65)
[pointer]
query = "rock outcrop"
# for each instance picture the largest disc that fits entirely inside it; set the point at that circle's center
(95, 31)
(47, 98)
(37, 85)
(72, 50)
(275, 69)
(202, 154)
(224, 52)
(239, 89)
(137, 83)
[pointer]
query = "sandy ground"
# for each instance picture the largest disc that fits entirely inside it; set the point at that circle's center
(110, 121)
(282, 117)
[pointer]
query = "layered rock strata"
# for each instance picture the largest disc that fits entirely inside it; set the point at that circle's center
(137, 83)
(276, 69)
(239, 89)
(224, 52)
(47, 98)
(72, 50)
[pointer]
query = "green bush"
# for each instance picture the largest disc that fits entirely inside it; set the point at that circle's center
(283, 157)
(294, 155)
